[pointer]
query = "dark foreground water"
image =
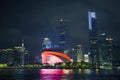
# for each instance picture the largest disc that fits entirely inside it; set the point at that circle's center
(33, 74)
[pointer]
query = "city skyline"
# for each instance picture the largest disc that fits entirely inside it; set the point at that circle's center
(33, 20)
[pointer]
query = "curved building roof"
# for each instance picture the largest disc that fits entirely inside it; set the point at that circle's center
(48, 56)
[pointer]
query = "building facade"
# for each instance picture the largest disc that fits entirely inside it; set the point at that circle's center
(93, 37)
(6, 56)
(14, 56)
(46, 43)
(105, 48)
(62, 34)
(79, 53)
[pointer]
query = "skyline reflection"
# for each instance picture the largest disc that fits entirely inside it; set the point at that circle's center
(35, 74)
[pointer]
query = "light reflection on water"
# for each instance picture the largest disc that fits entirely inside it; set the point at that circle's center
(54, 74)
(55, 77)
(58, 74)
(50, 77)
(51, 71)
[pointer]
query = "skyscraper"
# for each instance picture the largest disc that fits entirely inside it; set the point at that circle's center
(79, 53)
(62, 35)
(93, 37)
(105, 48)
(14, 56)
(22, 52)
(46, 43)
(6, 56)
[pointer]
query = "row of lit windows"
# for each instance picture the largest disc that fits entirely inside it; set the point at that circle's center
(109, 39)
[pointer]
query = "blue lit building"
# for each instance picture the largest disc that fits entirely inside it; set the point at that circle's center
(62, 35)
(46, 43)
(93, 37)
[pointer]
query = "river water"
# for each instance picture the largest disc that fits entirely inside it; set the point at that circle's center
(54, 74)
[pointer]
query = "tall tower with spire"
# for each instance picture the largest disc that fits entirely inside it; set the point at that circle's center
(62, 35)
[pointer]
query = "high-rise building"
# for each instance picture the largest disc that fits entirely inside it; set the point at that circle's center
(22, 53)
(93, 37)
(116, 56)
(86, 58)
(105, 48)
(6, 56)
(62, 34)
(79, 53)
(17, 56)
(46, 43)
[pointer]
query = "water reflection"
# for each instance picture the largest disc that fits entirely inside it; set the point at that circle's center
(77, 74)
(50, 77)
(97, 71)
(67, 74)
(55, 74)
(19, 74)
(51, 71)
(58, 74)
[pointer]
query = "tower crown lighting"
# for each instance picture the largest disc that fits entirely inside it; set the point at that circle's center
(46, 43)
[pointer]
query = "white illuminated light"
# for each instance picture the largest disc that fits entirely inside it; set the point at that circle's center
(61, 20)
(86, 58)
(93, 15)
(47, 43)
(89, 20)
(90, 16)
(52, 59)
(103, 34)
(89, 53)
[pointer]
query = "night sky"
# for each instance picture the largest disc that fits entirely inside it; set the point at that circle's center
(32, 20)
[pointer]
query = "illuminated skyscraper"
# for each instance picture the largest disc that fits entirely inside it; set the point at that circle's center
(46, 43)
(105, 48)
(6, 56)
(86, 58)
(93, 37)
(62, 34)
(17, 55)
(79, 53)
(22, 52)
